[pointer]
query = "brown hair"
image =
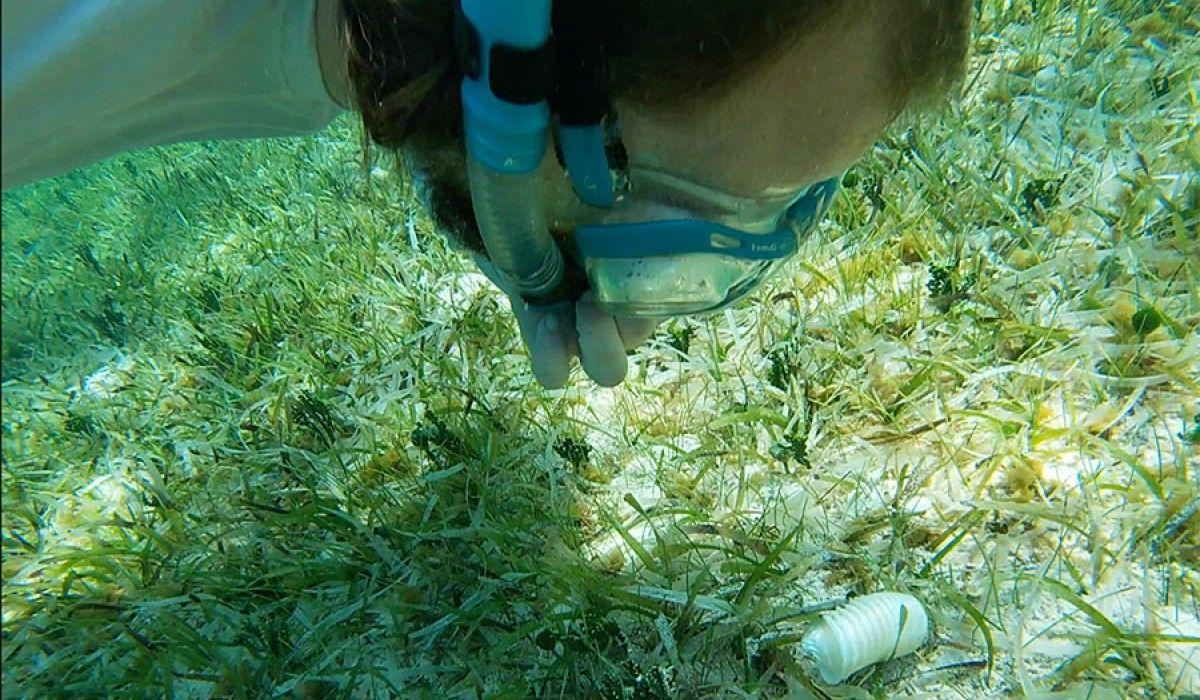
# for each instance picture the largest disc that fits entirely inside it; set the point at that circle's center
(402, 66)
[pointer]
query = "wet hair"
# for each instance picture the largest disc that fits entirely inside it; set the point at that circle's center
(660, 53)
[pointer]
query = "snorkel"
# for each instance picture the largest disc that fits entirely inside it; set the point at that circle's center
(506, 54)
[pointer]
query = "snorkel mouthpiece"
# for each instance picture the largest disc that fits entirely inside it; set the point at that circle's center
(505, 51)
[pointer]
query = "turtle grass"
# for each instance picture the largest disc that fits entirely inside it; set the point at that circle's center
(265, 435)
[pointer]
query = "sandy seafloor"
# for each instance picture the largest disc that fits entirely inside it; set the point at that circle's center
(853, 477)
(1021, 452)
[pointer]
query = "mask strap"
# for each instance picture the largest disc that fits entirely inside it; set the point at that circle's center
(674, 237)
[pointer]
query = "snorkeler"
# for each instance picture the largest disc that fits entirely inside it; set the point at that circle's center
(607, 162)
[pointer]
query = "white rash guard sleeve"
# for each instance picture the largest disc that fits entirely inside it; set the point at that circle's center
(86, 79)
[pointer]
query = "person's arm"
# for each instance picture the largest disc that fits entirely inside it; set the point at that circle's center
(85, 79)
(331, 50)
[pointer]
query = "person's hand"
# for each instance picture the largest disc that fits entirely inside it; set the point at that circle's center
(558, 334)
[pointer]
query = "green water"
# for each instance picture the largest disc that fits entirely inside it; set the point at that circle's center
(265, 434)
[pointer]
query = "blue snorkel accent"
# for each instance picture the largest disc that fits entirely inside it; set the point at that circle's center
(587, 164)
(506, 55)
(505, 136)
(581, 102)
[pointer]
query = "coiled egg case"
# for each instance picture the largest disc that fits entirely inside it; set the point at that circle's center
(868, 630)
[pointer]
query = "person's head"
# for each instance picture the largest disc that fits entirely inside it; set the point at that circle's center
(743, 96)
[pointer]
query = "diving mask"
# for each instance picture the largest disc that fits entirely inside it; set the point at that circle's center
(673, 247)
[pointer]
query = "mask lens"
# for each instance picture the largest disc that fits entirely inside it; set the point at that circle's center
(672, 286)
(693, 272)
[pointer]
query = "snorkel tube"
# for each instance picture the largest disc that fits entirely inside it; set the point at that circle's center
(504, 46)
